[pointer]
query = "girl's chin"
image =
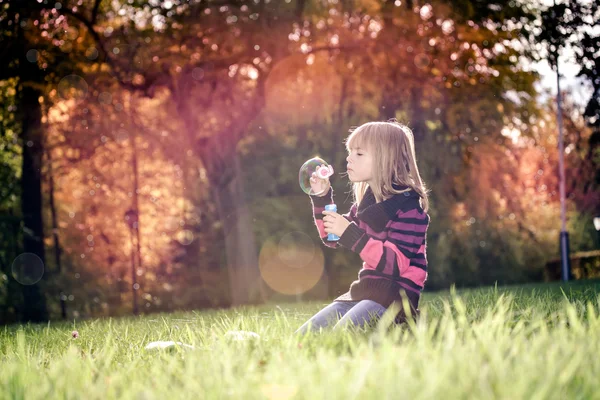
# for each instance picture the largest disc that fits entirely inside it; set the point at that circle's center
(352, 178)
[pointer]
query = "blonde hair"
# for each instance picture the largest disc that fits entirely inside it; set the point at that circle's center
(392, 147)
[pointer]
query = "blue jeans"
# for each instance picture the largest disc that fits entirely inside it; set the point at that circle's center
(342, 313)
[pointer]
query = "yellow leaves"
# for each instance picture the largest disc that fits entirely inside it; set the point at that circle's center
(432, 125)
(369, 6)
(174, 49)
(138, 79)
(460, 210)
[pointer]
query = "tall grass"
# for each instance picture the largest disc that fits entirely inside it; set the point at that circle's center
(529, 342)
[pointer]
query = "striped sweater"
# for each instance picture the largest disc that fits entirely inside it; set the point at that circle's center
(390, 238)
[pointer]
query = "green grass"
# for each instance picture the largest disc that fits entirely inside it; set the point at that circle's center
(522, 342)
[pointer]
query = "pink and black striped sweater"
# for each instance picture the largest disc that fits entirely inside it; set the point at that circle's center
(390, 238)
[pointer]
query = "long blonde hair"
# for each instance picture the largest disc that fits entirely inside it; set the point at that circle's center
(392, 146)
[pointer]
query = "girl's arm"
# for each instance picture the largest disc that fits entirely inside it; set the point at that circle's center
(319, 204)
(401, 254)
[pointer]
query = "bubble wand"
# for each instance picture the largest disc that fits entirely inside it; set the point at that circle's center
(316, 168)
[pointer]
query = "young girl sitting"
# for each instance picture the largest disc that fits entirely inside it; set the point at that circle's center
(386, 226)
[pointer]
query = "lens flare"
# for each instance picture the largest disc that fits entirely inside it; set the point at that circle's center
(291, 264)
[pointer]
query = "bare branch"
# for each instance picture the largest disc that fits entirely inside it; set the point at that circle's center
(95, 11)
(356, 46)
(300, 4)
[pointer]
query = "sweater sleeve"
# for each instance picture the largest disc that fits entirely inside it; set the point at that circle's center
(319, 204)
(400, 253)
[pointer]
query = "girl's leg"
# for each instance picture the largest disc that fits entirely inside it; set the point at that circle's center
(327, 316)
(363, 313)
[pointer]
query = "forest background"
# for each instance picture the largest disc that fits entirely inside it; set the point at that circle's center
(149, 151)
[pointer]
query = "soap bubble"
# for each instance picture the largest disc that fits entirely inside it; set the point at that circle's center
(185, 237)
(422, 61)
(72, 87)
(105, 98)
(32, 55)
(320, 182)
(27, 269)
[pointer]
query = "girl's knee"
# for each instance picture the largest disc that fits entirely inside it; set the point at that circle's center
(328, 316)
(371, 304)
(365, 313)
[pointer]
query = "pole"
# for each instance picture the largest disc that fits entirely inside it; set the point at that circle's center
(136, 204)
(134, 287)
(565, 261)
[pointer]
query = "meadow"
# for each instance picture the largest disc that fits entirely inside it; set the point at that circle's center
(538, 341)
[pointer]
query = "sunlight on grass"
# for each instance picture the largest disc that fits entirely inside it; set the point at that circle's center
(532, 342)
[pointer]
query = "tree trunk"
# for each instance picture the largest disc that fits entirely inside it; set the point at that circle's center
(34, 307)
(10, 225)
(221, 162)
(57, 248)
(417, 119)
(53, 215)
(245, 282)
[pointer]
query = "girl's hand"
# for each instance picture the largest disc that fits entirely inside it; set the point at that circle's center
(334, 223)
(319, 186)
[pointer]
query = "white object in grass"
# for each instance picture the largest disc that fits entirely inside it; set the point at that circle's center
(169, 345)
(242, 335)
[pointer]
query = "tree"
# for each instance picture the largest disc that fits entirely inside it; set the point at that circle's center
(10, 166)
(216, 78)
(37, 40)
(16, 43)
(573, 24)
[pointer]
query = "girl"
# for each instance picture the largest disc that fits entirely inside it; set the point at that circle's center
(386, 226)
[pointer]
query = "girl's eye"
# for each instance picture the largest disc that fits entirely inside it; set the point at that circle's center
(359, 154)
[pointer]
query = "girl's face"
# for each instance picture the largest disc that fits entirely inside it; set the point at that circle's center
(360, 165)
